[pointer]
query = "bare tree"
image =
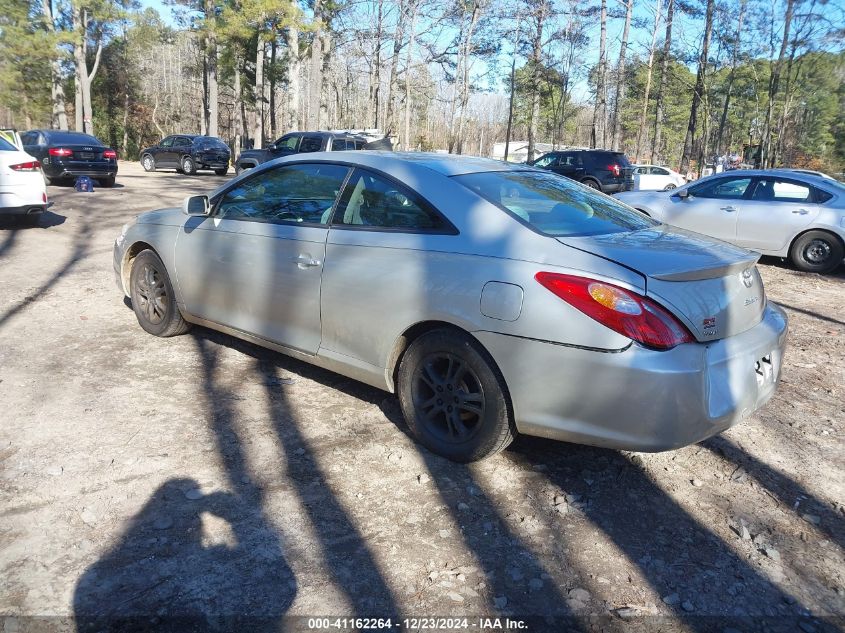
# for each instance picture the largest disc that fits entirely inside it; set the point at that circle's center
(658, 5)
(598, 136)
(698, 93)
(620, 76)
(661, 87)
(774, 80)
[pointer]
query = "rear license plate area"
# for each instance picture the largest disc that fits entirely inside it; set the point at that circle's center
(85, 155)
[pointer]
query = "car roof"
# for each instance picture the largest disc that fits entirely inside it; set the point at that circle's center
(445, 164)
(785, 173)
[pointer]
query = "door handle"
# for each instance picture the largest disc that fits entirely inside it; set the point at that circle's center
(800, 211)
(305, 261)
(729, 209)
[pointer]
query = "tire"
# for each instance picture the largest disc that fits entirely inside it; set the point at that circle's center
(106, 182)
(670, 186)
(221, 172)
(817, 252)
(160, 317)
(451, 364)
(148, 162)
(592, 184)
(189, 167)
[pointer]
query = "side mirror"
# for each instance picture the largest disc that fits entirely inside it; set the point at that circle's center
(683, 194)
(196, 206)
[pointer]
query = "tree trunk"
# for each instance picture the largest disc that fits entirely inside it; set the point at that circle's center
(57, 90)
(376, 79)
(258, 94)
(80, 67)
(476, 14)
(644, 112)
(238, 107)
(661, 87)
(213, 85)
(698, 93)
(620, 77)
(774, 80)
(273, 127)
(292, 42)
(406, 139)
(392, 90)
(734, 60)
(512, 90)
(315, 79)
(598, 134)
(536, 60)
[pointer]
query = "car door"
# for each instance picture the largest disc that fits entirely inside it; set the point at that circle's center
(659, 178)
(384, 245)
(571, 165)
(775, 212)
(255, 263)
(181, 147)
(643, 179)
(547, 161)
(712, 207)
(164, 154)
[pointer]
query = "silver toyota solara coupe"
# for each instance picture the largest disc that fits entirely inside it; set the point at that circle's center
(494, 299)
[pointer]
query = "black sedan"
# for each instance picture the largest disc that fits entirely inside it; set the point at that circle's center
(187, 153)
(65, 155)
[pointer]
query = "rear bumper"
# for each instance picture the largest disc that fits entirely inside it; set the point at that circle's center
(29, 209)
(616, 187)
(23, 199)
(60, 170)
(640, 399)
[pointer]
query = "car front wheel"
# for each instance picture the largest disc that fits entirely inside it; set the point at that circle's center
(148, 162)
(453, 397)
(152, 297)
(817, 252)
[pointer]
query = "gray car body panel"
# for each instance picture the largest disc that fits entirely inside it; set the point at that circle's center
(350, 310)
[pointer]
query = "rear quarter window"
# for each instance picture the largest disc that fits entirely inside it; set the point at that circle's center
(6, 146)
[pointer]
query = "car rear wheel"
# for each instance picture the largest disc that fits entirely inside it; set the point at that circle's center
(592, 184)
(152, 297)
(671, 185)
(107, 182)
(817, 252)
(148, 162)
(188, 166)
(453, 397)
(222, 171)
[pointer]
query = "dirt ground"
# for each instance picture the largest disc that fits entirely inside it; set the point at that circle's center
(207, 478)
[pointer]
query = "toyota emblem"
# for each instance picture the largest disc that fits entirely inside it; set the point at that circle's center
(747, 278)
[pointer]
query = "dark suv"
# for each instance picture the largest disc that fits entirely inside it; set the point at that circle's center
(300, 143)
(187, 153)
(602, 169)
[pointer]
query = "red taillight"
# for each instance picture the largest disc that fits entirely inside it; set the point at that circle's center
(33, 165)
(109, 153)
(60, 151)
(616, 169)
(623, 311)
(44, 197)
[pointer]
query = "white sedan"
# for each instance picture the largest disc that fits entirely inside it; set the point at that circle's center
(22, 188)
(652, 177)
(775, 212)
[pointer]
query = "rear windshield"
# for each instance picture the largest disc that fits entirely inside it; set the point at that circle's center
(72, 138)
(610, 158)
(210, 141)
(555, 205)
(6, 146)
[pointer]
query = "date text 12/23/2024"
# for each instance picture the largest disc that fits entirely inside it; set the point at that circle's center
(417, 624)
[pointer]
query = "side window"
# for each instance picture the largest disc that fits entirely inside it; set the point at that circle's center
(310, 144)
(338, 145)
(659, 171)
(294, 194)
(182, 142)
(822, 196)
(549, 160)
(723, 188)
(168, 142)
(29, 138)
(571, 160)
(373, 201)
(288, 142)
(360, 144)
(776, 190)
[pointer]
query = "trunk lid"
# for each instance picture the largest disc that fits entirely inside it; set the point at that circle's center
(712, 286)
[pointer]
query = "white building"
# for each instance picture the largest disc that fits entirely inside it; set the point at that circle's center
(518, 151)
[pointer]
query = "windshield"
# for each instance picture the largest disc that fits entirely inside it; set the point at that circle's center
(555, 205)
(6, 146)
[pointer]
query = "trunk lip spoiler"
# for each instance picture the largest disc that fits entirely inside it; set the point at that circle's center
(711, 272)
